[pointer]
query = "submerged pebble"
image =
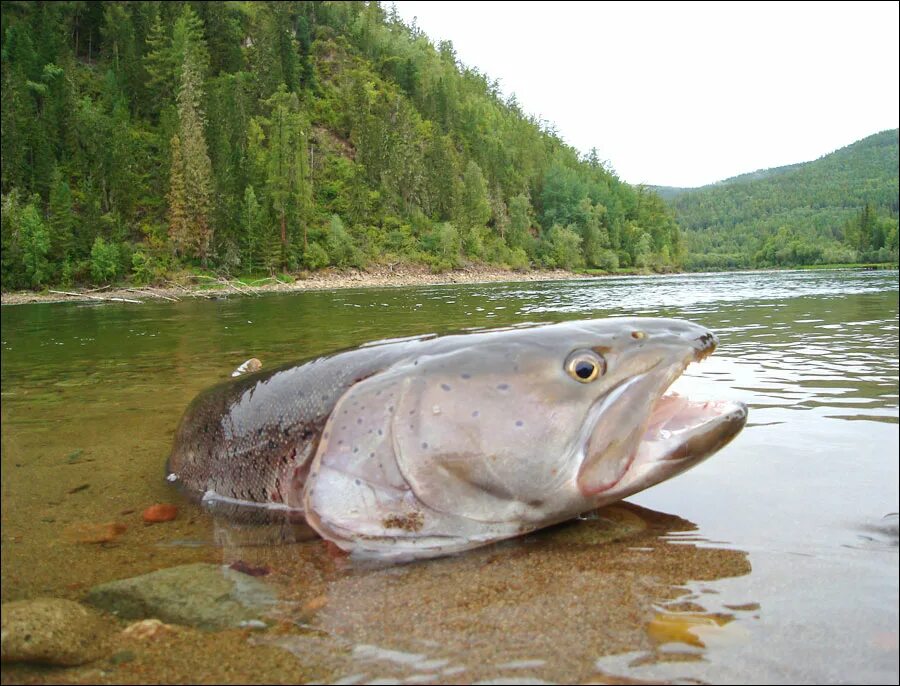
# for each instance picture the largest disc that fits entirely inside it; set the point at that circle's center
(206, 596)
(148, 629)
(161, 512)
(52, 631)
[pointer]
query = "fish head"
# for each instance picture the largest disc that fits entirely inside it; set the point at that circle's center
(524, 424)
(516, 429)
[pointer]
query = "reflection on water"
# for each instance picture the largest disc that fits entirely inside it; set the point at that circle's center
(777, 563)
(549, 605)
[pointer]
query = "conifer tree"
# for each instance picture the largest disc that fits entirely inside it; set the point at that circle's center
(197, 167)
(179, 226)
(61, 219)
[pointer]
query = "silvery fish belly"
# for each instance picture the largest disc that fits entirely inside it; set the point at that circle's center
(422, 447)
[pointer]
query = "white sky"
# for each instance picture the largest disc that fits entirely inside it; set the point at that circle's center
(684, 94)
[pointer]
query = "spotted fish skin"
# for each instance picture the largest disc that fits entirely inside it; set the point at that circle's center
(422, 447)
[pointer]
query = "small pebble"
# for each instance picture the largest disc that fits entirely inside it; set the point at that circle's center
(160, 513)
(147, 628)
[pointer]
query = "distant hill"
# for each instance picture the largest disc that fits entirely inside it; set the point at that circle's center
(839, 208)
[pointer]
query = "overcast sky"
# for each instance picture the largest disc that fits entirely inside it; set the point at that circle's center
(684, 94)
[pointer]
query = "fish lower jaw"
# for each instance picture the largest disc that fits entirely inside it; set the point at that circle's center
(682, 433)
(679, 434)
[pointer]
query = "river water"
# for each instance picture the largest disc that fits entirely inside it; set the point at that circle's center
(776, 561)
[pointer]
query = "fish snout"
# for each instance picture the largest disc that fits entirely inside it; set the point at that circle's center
(677, 335)
(704, 345)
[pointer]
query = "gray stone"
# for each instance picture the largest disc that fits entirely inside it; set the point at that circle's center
(202, 595)
(51, 630)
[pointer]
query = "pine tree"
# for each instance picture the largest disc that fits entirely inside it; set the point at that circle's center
(252, 231)
(197, 167)
(61, 219)
(287, 181)
(475, 209)
(519, 235)
(35, 241)
(179, 224)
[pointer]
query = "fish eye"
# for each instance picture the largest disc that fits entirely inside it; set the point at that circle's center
(585, 366)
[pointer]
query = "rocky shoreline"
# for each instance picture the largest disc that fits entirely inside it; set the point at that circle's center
(378, 276)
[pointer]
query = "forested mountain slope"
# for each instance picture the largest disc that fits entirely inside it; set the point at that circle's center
(139, 138)
(839, 208)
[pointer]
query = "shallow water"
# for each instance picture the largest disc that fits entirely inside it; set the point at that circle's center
(776, 561)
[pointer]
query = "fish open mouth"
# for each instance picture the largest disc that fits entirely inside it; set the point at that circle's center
(677, 434)
(683, 429)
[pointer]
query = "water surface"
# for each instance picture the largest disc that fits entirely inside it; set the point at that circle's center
(774, 562)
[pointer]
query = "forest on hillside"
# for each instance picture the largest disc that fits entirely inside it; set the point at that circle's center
(841, 208)
(140, 139)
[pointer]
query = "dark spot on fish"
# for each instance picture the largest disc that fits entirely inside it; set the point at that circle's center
(519, 422)
(391, 408)
(371, 454)
(355, 449)
(445, 387)
(359, 421)
(411, 521)
(325, 435)
(412, 411)
(465, 376)
(340, 441)
(503, 386)
(475, 413)
(424, 445)
(380, 432)
(356, 481)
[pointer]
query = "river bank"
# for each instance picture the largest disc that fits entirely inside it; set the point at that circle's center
(198, 286)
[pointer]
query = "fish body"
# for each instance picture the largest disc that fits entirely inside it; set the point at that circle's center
(426, 446)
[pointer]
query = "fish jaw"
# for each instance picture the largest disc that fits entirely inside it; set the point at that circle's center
(688, 433)
(676, 433)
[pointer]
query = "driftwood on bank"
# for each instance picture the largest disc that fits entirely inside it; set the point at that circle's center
(246, 290)
(97, 297)
(150, 291)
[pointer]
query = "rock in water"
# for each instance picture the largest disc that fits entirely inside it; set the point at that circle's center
(51, 630)
(202, 595)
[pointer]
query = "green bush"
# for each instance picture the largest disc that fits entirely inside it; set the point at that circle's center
(104, 261)
(315, 257)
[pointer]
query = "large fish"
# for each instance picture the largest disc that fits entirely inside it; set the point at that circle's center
(421, 447)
